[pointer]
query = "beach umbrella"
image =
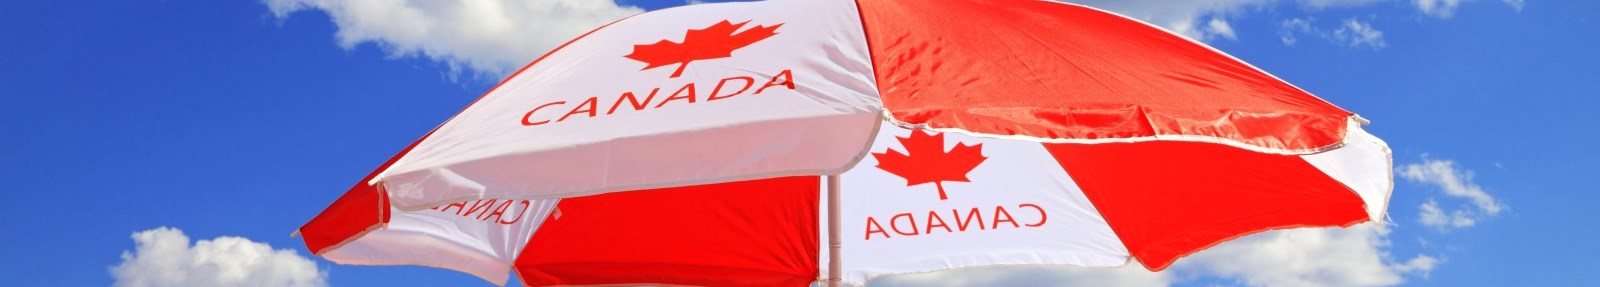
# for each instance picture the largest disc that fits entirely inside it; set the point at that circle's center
(981, 132)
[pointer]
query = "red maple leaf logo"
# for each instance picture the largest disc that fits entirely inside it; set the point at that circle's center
(717, 41)
(928, 162)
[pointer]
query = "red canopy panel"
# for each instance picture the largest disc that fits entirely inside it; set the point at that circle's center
(362, 208)
(1166, 200)
(357, 211)
(748, 233)
(1070, 73)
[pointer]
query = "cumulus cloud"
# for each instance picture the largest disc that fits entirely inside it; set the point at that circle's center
(1453, 182)
(1355, 256)
(492, 38)
(1131, 275)
(489, 37)
(495, 37)
(165, 257)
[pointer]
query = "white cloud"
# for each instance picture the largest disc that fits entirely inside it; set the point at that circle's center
(1203, 19)
(1447, 8)
(1421, 265)
(1355, 256)
(1131, 275)
(1294, 27)
(1453, 182)
(1438, 8)
(1516, 4)
(1318, 4)
(1183, 17)
(164, 257)
(1432, 215)
(1355, 33)
(1350, 33)
(1220, 28)
(490, 37)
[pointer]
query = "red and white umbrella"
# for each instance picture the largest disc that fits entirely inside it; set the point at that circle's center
(962, 133)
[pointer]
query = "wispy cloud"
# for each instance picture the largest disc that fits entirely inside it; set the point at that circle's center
(1294, 27)
(1318, 4)
(1439, 8)
(1447, 8)
(165, 257)
(1516, 4)
(1351, 32)
(1421, 265)
(1453, 182)
(1220, 28)
(1355, 33)
(1196, 19)
(1207, 19)
(1431, 215)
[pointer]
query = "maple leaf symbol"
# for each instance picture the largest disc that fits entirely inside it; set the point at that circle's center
(928, 162)
(717, 41)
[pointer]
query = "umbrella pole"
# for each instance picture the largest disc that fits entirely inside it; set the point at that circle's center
(833, 232)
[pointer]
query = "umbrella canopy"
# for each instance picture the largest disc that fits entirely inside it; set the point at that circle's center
(699, 94)
(1068, 135)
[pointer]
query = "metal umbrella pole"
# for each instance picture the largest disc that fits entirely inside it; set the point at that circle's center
(833, 232)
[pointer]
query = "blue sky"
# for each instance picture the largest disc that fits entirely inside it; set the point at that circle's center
(231, 118)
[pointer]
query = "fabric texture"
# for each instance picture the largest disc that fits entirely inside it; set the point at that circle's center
(684, 146)
(1059, 72)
